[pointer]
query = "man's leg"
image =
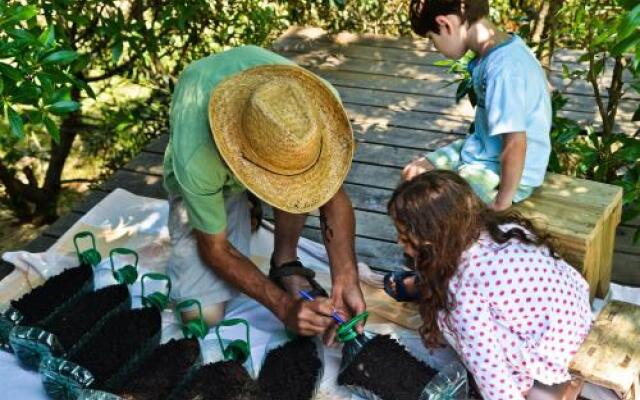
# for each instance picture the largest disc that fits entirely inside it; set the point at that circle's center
(287, 232)
(191, 278)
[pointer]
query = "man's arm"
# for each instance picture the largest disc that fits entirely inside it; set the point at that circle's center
(514, 151)
(337, 222)
(306, 318)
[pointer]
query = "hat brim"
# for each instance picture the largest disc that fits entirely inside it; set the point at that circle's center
(299, 193)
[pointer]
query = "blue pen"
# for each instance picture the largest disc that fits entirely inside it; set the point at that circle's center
(336, 317)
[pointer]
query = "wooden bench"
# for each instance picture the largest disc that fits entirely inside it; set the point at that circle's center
(582, 217)
(610, 356)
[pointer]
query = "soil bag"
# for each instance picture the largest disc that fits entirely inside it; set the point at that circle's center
(53, 295)
(61, 332)
(227, 379)
(378, 367)
(291, 370)
(107, 358)
(161, 374)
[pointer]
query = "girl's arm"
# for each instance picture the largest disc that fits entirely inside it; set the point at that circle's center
(477, 335)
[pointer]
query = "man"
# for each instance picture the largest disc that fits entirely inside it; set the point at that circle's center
(249, 118)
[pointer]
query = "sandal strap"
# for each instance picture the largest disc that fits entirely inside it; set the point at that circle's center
(296, 268)
(400, 293)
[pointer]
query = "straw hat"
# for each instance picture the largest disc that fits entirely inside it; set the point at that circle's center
(284, 135)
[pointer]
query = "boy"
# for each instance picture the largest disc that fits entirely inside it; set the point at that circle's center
(506, 156)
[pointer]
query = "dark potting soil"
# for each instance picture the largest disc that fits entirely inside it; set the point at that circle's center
(223, 380)
(158, 376)
(44, 299)
(290, 371)
(120, 338)
(83, 315)
(384, 367)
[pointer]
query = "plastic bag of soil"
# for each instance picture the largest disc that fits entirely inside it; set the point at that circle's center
(60, 333)
(162, 373)
(228, 375)
(106, 358)
(47, 300)
(384, 369)
(292, 368)
(451, 383)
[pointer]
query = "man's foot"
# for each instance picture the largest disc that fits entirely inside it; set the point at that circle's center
(293, 277)
(402, 285)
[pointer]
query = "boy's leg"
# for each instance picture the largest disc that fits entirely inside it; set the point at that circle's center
(447, 157)
(482, 180)
(190, 277)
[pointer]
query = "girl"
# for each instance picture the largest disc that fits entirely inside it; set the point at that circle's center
(492, 285)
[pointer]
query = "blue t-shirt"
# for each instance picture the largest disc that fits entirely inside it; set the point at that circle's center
(512, 96)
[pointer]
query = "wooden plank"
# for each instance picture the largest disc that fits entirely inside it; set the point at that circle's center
(382, 255)
(624, 240)
(626, 269)
(610, 356)
(306, 39)
(63, 224)
(413, 86)
(136, 183)
(351, 59)
(40, 244)
(90, 201)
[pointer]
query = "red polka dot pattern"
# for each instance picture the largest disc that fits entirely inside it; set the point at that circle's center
(520, 316)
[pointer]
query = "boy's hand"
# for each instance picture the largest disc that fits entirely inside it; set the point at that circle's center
(500, 205)
(415, 168)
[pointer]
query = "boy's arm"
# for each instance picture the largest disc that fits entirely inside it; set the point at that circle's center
(514, 150)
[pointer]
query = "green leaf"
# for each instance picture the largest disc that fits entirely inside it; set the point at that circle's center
(630, 22)
(626, 44)
(61, 57)
(2, 87)
(21, 14)
(627, 4)
(87, 89)
(598, 66)
(116, 51)
(52, 128)
(47, 37)
(23, 34)
(15, 121)
(63, 107)
(443, 63)
(10, 72)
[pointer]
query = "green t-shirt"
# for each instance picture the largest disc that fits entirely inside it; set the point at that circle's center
(193, 168)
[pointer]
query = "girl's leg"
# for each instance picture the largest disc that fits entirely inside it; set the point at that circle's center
(562, 391)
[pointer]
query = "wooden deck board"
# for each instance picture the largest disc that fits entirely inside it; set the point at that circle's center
(399, 109)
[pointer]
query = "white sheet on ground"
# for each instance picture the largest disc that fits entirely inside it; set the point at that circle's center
(122, 219)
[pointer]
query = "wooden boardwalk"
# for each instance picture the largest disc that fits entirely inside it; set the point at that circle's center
(399, 108)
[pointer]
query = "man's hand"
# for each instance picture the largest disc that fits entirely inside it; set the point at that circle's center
(349, 302)
(415, 168)
(309, 318)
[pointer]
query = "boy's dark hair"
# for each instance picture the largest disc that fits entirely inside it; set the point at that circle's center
(423, 13)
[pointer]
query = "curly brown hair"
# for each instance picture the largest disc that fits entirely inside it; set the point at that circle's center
(423, 13)
(442, 217)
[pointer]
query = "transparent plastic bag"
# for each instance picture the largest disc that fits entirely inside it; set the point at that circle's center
(451, 383)
(94, 394)
(64, 380)
(12, 317)
(31, 344)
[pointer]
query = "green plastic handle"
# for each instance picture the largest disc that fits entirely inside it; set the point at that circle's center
(127, 274)
(157, 299)
(90, 256)
(347, 331)
(237, 350)
(193, 328)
